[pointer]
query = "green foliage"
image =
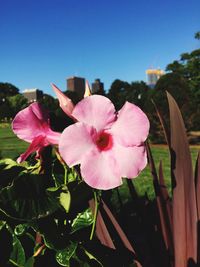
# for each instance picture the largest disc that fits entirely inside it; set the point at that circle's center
(197, 35)
(30, 262)
(117, 92)
(17, 255)
(17, 103)
(121, 91)
(8, 89)
(32, 201)
(82, 220)
(62, 194)
(23, 194)
(26, 198)
(5, 250)
(5, 110)
(188, 67)
(20, 229)
(49, 102)
(56, 208)
(63, 256)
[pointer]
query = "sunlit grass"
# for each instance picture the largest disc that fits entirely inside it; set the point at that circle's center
(10, 145)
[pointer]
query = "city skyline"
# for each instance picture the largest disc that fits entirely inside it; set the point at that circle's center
(45, 42)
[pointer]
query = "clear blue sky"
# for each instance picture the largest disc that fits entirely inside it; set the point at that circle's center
(44, 41)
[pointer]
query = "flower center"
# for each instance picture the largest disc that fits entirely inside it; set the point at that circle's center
(104, 141)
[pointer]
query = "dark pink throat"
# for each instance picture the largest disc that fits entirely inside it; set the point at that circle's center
(104, 141)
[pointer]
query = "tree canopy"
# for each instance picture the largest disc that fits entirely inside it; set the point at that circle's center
(7, 89)
(121, 91)
(188, 66)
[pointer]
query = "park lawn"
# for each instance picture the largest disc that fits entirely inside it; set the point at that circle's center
(12, 147)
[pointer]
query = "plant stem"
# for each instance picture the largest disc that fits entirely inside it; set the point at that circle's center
(95, 215)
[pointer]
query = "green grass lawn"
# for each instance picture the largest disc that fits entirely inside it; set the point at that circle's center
(12, 147)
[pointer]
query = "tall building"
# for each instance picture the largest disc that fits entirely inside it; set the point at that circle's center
(97, 87)
(153, 75)
(77, 85)
(32, 95)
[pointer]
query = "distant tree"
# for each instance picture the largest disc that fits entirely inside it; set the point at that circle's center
(176, 85)
(100, 92)
(5, 110)
(16, 103)
(188, 67)
(137, 93)
(121, 91)
(118, 92)
(197, 35)
(176, 67)
(49, 102)
(8, 89)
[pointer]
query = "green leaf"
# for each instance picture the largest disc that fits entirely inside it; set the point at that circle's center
(65, 200)
(5, 244)
(30, 262)
(7, 163)
(71, 175)
(54, 232)
(2, 224)
(20, 229)
(26, 197)
(92, 257)
(18, 255)
(81, 193)
(58, 172)
(62, 174)
(83, 219)
(9, 170)
(61, 195)
(63, 256)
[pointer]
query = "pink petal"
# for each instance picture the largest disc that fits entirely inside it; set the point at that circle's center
(65, 102)
(52, 137)
(37, 143)
(131, 160)
(39, 112)
(132, 125)
(87, 90)
(99, 170)
(75, 142)
(28, 123)
(96, 110)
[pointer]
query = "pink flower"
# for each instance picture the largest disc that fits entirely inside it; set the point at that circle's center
(32, 125)
(106, 144)
(65, 102)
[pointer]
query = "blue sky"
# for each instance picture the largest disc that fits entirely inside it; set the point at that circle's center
(49, 40)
